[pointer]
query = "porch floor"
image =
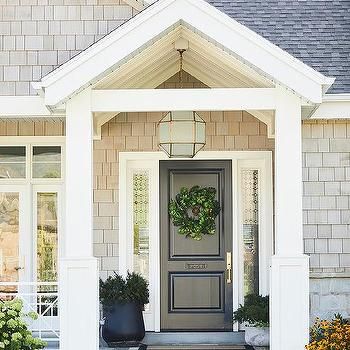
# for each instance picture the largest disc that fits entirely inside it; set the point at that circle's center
(187, 341)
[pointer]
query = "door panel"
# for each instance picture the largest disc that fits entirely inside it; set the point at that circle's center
(195, 294)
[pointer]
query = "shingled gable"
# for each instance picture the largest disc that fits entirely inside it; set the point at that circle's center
(142, 30)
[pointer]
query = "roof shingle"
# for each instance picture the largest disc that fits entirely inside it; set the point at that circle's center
(315, 31)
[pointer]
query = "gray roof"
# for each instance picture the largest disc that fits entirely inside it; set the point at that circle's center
(315, 31)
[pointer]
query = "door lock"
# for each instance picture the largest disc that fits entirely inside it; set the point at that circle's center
(229, 267)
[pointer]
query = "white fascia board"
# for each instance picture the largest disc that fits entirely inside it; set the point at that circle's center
(156, 19)
(147, 100)
(333, 106)
(22, 106)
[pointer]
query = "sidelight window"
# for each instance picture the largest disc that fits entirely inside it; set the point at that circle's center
(250, 229)
(141, 222)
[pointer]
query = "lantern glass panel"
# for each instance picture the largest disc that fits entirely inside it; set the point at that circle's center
(182, 150)
(164, 132)
(200, 132)
(182, 115)
(182, 131)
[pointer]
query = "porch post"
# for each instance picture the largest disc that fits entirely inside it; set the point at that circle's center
(290, 267)
(79, 308)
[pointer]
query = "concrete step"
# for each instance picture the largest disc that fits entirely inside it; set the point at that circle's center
(190, 341)
(186, 347)
(197, 347)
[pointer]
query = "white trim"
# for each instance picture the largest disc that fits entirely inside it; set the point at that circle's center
(19, 106)
(337, 97)
(261, 160)
(333, 109)
(139, 31)
(147, 100)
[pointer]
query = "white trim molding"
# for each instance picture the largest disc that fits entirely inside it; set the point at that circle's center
(110, 52)
(335, 106)
(153, 100)
(19, 106)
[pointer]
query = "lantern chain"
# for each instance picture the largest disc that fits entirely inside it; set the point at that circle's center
(181, 52)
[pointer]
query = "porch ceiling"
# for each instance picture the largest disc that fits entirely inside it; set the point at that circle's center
(204, 60)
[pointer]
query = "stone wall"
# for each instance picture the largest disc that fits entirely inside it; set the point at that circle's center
(39, 35)
(329, 296)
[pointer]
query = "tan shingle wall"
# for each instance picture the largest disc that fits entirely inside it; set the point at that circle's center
(138, 132)
(32, 128)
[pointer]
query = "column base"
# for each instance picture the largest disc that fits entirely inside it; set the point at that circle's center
(289, 302)
(79, 304)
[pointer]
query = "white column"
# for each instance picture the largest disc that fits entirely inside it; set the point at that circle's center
(290, 267)
(79, 306)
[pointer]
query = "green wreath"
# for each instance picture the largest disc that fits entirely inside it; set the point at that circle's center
(194, 211)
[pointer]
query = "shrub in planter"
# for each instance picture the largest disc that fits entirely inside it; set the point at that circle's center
(14, 333)
(123, 300)
(254, 314)
(330, 335)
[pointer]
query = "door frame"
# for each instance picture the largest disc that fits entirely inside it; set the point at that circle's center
(258, 160)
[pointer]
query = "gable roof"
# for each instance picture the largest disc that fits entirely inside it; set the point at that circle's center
(315, 31)
(151, 24)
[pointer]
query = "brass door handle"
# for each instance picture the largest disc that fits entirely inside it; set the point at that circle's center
(228, 267)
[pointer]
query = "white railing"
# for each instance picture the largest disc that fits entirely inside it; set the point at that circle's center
(40, 297)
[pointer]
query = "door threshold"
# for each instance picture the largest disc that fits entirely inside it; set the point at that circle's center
(194, 338)
(197, 347)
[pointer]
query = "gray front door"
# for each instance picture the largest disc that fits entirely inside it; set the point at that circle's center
(196, 284)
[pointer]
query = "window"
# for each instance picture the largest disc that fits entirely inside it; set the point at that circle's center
(141, 222)
(46, 162)
(47, 237)
(12, 162)
(9, 236)
(250, 229)
(31, 180)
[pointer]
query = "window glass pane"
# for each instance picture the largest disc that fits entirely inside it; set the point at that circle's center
(12, 162)
(141, 222)
(46, 170)
(47, 237)
(250, 220)
(9, 238)
(46, 153)
(46, 162)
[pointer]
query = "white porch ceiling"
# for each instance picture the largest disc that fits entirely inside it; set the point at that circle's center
(204, 60)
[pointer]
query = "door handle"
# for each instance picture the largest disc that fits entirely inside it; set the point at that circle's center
(228, 267)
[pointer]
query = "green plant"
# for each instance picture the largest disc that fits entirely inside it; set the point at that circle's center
(119, 290)
(330, 335)
(194, 211)
(14, 333)
(254, 312)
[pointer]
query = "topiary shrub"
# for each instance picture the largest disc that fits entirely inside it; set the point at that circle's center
(254, 312)
(119, 290)
(14, 333)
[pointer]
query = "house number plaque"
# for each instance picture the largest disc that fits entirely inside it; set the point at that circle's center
(195, 266)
